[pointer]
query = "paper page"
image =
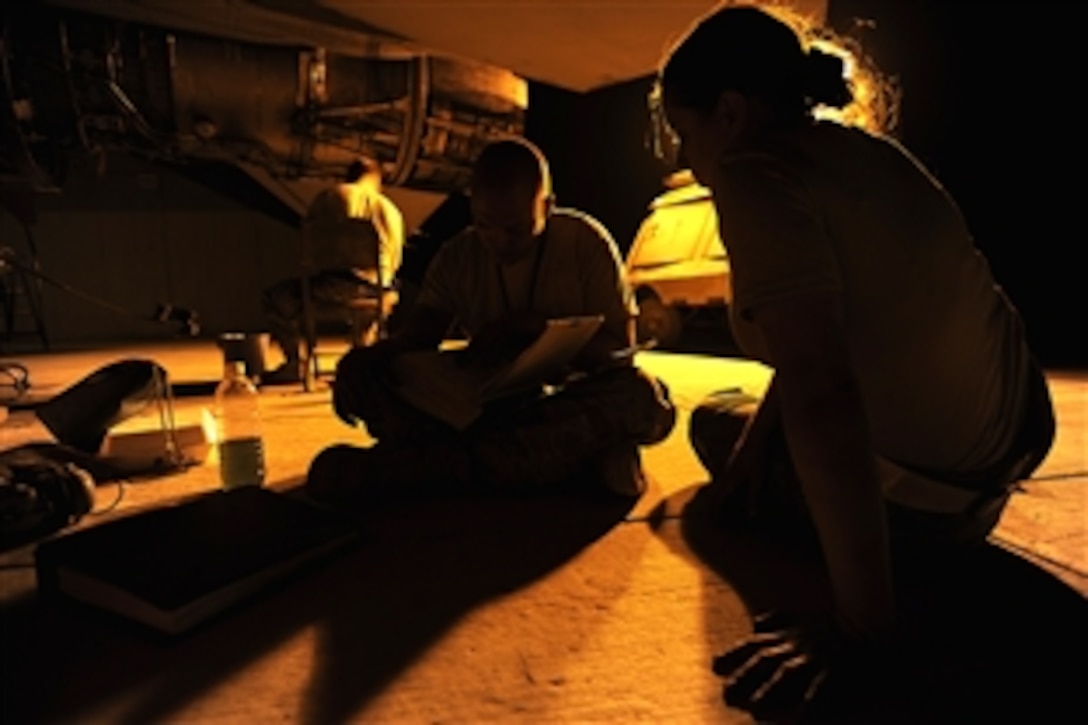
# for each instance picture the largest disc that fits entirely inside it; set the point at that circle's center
(546, 358)
(432, 381)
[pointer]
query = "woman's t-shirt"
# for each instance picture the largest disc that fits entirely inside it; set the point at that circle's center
(937, 348)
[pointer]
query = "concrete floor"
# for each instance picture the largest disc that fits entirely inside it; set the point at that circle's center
(535, 611)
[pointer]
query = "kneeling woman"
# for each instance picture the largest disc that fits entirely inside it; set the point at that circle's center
(904, 391)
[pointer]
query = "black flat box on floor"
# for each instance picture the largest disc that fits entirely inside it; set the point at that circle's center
(173, 567)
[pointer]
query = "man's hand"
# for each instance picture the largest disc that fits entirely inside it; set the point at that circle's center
(504, 339)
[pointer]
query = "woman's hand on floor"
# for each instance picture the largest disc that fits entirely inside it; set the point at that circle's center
(785, 669)
(776, 671)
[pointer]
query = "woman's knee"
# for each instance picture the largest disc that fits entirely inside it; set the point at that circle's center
(717, 423)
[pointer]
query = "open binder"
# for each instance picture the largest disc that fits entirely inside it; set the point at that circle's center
(173, 567)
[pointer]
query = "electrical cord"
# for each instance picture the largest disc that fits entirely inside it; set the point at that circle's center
(88, 480)
(15, 376)
(166, 313)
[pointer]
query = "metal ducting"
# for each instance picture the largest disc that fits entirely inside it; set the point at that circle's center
(80, 83)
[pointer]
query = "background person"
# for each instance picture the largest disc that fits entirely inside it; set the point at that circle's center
(353, 239)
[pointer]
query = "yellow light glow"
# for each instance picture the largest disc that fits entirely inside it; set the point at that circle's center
(211, 430)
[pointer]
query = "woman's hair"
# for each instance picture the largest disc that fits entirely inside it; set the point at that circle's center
(796, 69)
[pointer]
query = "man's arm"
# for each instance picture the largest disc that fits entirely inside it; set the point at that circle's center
(827, 434)
(606, 292)
(598, 353)
(390, 223)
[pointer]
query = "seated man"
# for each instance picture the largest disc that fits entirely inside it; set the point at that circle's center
(353, 237)
(521, 262)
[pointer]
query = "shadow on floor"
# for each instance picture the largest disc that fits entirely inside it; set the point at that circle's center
(989, 637)
(473, 551)
(377, 607)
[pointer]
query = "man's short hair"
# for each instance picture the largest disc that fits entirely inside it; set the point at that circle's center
(360, 167)
(509, 162)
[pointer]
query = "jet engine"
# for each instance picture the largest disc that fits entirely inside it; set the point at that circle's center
(75, 83)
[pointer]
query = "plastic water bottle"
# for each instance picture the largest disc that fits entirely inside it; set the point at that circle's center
(238, 416)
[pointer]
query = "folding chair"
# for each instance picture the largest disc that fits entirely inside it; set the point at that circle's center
(365, 318)
(344, 243)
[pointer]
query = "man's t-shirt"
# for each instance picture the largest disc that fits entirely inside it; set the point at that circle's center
(348, 228)
(580, 273)
(938, 350)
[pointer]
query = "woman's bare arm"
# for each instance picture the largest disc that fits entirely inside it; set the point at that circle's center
(828, 438)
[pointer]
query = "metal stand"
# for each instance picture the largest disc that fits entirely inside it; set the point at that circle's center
(21, 282)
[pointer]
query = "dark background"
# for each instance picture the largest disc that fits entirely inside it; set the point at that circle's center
(989, 103)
